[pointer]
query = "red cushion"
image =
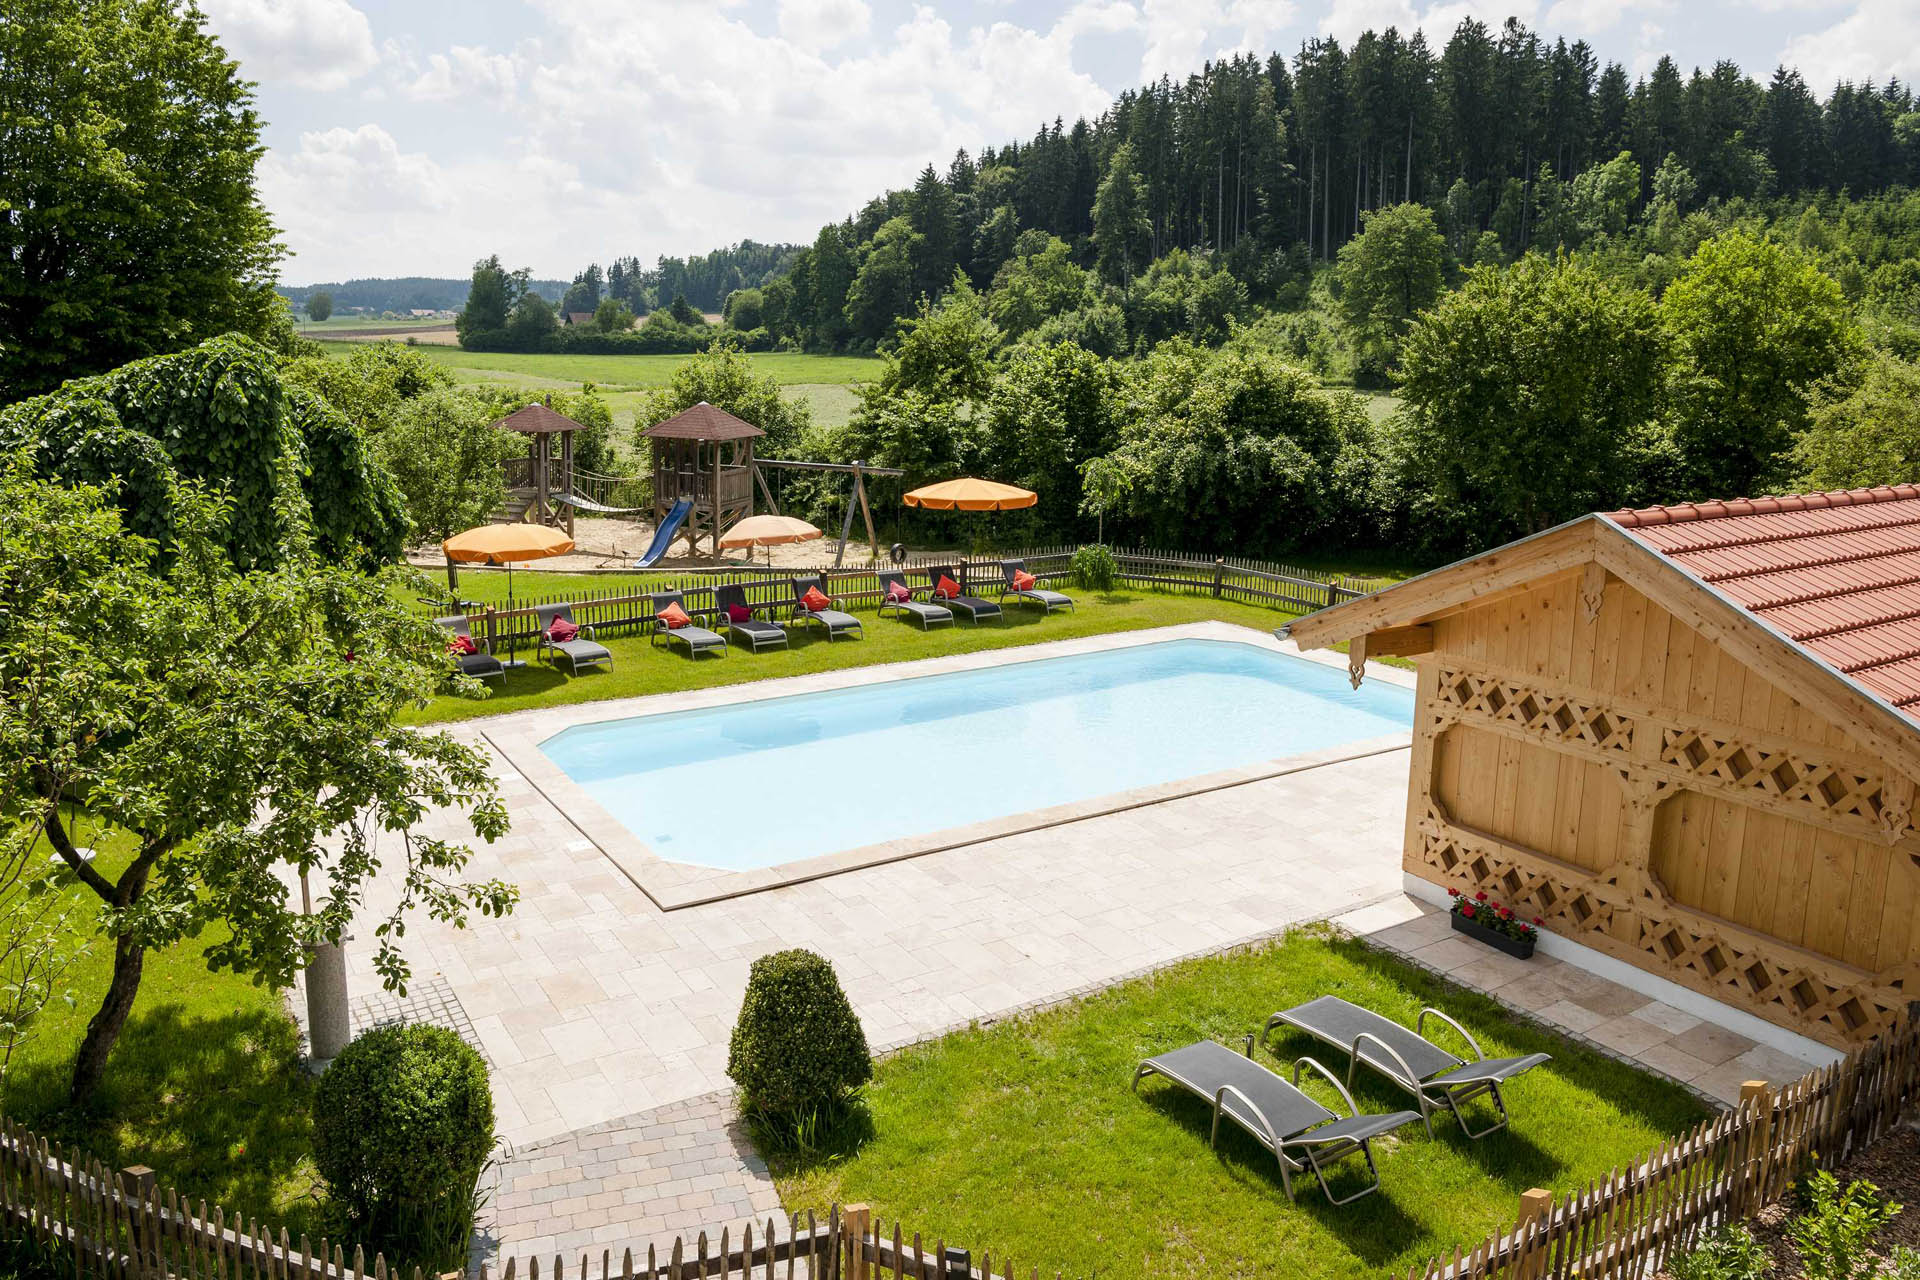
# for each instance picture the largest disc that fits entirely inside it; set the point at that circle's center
(739, 613)
(674, 616)
(815, 599)
(561, 631)
(462, 645)
(946, 588)
(1023, 581)
(898, 593)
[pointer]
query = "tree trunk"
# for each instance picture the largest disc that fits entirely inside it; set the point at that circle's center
(90, 1064)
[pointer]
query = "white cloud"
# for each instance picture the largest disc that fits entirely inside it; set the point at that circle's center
(461, 72)
(313, 44)
(822, 24)
(1879, 39)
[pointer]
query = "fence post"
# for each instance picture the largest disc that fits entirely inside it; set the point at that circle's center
(855, 1220)
(487, 621)
(1219, 568)
(1530, 1263)
(136, 1186)
(1756, 1099)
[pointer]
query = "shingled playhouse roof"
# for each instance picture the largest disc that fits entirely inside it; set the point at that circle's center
(1837, 573)
(536, 419)
(703, 422)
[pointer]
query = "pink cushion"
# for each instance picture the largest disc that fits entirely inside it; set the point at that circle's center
(898, 593)
(739, 613)
(560, 631)
(462, 645)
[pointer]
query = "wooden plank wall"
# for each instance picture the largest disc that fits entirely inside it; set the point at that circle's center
(1642, 763)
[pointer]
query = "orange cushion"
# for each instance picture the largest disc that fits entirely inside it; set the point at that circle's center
(1023, 581)
(815, 599)
(946, 588)
(674, 616)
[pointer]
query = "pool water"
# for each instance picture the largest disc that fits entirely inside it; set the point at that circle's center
(755, 784)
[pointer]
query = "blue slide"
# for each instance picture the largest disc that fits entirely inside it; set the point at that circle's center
(663, 536)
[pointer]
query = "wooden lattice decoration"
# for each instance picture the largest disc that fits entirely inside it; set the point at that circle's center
(1830, 788)
(1750, 971)
(1538, 711)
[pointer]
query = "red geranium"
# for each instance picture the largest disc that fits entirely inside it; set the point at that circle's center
(1467, 911)
(1480, 896)
(1453, 893)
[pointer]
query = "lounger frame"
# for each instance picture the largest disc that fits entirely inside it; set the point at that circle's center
(580, 649)
(698, 639)
(1048, 600)
(481, 665)
(975, 607)
(835, 620)
(767, 634)
(1313, 1154)
(1449, 1090)
(927, 612)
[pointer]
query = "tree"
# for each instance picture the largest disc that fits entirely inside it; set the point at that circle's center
(682, 311)
(1605, 196)
(1122, 231)
(1052, 410)
(612, 316)
(490, 300)
(1038, 282)
(229, 731)
(723, 377)
(1755, 327)
(882, 290)
(319, 306)
(746, 308)
(1389, 274)
(129, 224)
(1533, 393)
(531, 323)
(946, 351)
(930, 210)
(1865, 434)
(370, 383)
(446, 457)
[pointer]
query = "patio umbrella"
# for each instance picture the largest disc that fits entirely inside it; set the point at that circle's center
(507, 544)
(767, 531)
(969, 494)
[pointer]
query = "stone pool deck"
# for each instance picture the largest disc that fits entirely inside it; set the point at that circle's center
(605, 1018)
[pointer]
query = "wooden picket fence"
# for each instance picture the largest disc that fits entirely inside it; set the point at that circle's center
(614, 609)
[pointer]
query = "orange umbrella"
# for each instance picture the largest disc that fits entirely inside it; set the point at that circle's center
(507, 544)
(969, 494)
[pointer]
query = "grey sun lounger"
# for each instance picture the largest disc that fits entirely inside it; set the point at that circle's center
(1050, 600)
(697, 638)
(582, 651)
(836, 622)
(1300, 1132)
(481, 665)
(1435, 1077)
(928, 614)
(973, 606)
(757, 632)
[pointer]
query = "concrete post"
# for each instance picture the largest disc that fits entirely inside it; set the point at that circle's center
(328, 1028)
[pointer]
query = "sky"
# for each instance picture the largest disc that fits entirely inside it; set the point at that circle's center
(410, 137)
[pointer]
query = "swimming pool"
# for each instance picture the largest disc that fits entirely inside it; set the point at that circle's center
(755, 784)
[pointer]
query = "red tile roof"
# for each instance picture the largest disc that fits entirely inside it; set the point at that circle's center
(1836, 573)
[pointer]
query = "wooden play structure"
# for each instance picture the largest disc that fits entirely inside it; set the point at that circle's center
(1687, 737)
(534, 481)
(703, 458)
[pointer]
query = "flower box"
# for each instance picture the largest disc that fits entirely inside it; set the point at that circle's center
(1481, 917)
(1519, 948)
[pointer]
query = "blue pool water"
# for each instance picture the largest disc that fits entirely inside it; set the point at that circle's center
(759, 783)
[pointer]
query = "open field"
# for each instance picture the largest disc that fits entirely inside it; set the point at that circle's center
(786, 367)
(338, 321)
(1132, 1186)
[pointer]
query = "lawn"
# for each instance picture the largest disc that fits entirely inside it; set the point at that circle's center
(1022, 1138)
(788, 368)
(204, 1086)
(639, 668)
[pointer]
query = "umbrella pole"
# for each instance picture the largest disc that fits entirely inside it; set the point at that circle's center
(513, 645)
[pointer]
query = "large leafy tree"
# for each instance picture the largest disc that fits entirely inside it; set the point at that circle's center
(1050, 411)
(129, 225)
(1533, 391)
(723, 376)
(1756, 326)
(1864, 434)
(218, 734)
(446, 457)
(882, 290)
(1390, 273)
(1122, 229)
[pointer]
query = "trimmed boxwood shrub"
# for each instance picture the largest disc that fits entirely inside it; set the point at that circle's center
(798, 1052)
(402, 1128)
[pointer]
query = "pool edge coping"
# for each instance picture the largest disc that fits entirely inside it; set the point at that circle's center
(673, 886)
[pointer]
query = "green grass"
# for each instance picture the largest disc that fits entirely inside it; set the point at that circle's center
(204, 1085)
(788, 368)
(1022, 1138)
(639, 668)
(340, 321)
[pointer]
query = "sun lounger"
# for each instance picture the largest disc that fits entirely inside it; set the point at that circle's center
(973, 606)
(581, 651)
(928, 614)
(698, 639)
(757, 632)
(835, 622)
(1049, 600)
(1433, 1075)
(481, 665)
(1300, 1132)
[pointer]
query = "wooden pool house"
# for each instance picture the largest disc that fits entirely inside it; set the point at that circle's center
(1686, 737)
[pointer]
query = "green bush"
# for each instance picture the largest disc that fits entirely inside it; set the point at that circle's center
(402, 1128)
(1094, 568)
(1834, 1236)
(798, 1052)
(1730, 1253)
